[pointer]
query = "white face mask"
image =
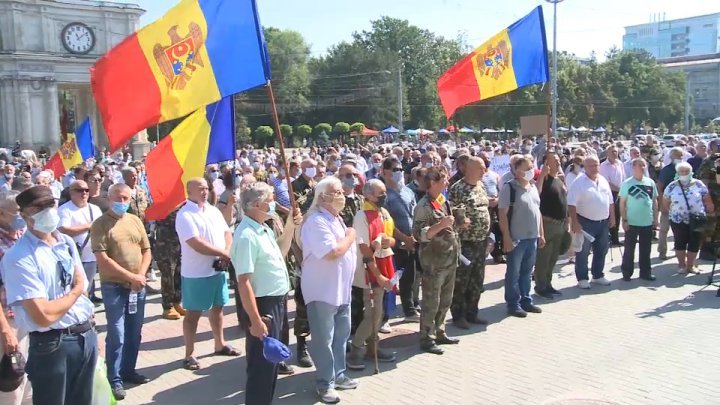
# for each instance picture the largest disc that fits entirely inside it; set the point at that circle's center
(677, 161)
(47, 220)
(529, 175)
(685, 179)
(310, 172)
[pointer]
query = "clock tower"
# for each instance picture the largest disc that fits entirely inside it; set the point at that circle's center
(46, 51)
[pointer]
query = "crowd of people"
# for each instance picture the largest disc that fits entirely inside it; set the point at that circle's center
(341, 230)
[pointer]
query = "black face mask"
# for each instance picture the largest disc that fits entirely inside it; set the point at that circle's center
(382, 200)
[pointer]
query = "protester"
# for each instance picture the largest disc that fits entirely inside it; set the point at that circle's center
(468, 195)
(329, 261)
(438, 253)
(612, 170)
(6, 181)
(684, 199)
(553, 208)
(373, 275)
(45, 285)
(122, 249)
(168, 258)
(12, 339)
(589, 199)
(229, 201)
(522, 230)
(665, 177)
(263, 283)
(639, 209)
(76, 218)
(93, 179)
(205, 242)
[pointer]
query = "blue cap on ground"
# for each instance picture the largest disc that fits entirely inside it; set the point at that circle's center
(274, 350)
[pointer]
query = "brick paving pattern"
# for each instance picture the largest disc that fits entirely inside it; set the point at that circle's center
(629, 343)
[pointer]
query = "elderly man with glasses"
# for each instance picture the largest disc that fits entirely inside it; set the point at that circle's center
(76, 218)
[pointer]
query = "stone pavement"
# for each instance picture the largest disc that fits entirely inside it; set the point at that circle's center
(630, 343)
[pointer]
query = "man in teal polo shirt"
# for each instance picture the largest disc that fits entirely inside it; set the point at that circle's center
(259, 260)
(639, 211)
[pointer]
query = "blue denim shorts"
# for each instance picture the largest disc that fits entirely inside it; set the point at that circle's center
(202, 294)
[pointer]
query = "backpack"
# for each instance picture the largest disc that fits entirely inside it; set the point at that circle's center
(512, 202)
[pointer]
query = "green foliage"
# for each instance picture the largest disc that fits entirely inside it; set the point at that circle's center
(303, 131)
(341, 128)
(322, 127)
(286, 130)
(358, 127)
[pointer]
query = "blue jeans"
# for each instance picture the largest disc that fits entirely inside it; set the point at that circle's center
(61, 368)
(330, 330)
(122, 342)
(520, 262)
(600, 231)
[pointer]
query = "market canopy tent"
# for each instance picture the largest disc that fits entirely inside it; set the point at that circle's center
(391, 130)
(365, 132)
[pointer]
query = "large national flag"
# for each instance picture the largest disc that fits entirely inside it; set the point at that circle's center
(203, 138)
(75, 150)
(196, 54)
(513, 58)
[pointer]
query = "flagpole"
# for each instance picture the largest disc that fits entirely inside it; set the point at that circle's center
(239, 310)
(281, 142)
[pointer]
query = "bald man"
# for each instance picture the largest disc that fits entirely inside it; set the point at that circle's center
(205, 240)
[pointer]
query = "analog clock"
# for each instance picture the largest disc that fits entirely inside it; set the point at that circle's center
(78, 38)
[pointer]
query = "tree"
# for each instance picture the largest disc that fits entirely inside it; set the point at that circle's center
(303, 132)
(264, 135)
(287, 133)
(341, 129)
(322, 127)
(358, 127)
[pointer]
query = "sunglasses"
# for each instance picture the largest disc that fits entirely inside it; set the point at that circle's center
(81, 190)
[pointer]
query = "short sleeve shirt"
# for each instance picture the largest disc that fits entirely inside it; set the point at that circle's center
(124, 240)
(206, 223)
(639, 196)
(679, 211)
(591, 199)
(255, 251)
(72, 215)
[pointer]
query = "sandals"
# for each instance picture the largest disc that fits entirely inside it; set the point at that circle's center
(191, 364)
(227, 351)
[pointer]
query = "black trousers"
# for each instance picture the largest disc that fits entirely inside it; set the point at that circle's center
(301, 327)
(614, 237)
(261, 374)
(406, 260)
(644, 234)
(357, 308)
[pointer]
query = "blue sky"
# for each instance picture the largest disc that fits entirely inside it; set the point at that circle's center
(584, 26)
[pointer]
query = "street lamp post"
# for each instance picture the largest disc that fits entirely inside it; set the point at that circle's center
(555, 71)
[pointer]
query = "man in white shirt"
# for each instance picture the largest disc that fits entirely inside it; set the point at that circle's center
(613, 171)
(205, 240)
(628, 165)
(592, 212)
(76, 218)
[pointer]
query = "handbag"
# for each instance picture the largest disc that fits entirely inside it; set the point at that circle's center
(697, 221)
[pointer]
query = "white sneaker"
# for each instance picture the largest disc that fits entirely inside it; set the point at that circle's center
(329, 396)
(584, 284)
(601, 281)
(151, 275)
(345, 383)
(385, 328)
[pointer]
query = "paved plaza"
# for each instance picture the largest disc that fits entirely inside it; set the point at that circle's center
(633, 342)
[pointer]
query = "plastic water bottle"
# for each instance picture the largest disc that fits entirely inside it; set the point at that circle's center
(132, 302)
(396, 277)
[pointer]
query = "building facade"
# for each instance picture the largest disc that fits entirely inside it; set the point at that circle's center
(703, 83)
(46, 51)
(676, 38)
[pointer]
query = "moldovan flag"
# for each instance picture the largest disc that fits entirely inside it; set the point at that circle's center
(196, 54)
(74, 151)
(203, 138)
(513, 58)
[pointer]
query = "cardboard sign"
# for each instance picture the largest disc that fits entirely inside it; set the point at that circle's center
(534, 125)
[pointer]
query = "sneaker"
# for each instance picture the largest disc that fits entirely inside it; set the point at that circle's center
(285, 369)
(171, 314)
(329, 396)
(345, 383)
(532, 308)
(412, 317)
(518, 313)
(694, 270)
(385, 328)
(601, 281)
(584, 284)
(119, 392)
(151, 276)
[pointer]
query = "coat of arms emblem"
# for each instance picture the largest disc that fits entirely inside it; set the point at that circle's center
(181, 58)
(494, 61)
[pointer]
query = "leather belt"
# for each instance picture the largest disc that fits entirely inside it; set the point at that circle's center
(72, 330)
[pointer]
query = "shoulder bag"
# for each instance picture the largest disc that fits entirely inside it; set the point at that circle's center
(697, 221)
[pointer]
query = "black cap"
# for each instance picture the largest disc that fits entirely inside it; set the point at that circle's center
(12, 371)
(38, 196)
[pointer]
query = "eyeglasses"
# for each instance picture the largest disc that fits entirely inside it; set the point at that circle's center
(81, 190)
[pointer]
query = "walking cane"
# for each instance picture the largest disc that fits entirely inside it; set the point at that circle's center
(374, 321)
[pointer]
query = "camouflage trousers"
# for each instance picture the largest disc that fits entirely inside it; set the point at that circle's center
(168, 262)
(437, 293)
(301, 327)
(469, 280)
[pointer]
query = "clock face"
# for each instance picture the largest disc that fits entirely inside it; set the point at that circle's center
(78, 38)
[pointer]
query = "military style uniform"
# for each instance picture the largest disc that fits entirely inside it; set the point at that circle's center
(167, 256)
(470, 279)
(139, 204)
(707, 174)
(439, 259)
(303, 192)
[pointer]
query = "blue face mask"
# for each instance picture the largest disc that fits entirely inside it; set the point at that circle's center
(17, 223)
(351, 183)
(398, 177)
(214, 176)
(119, 208)
(271, 208)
